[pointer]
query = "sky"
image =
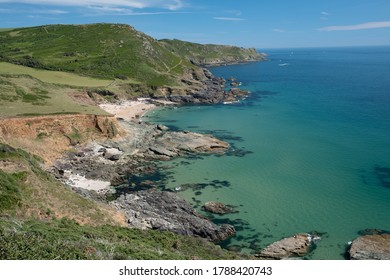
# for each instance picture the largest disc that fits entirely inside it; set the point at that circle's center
(246, 23)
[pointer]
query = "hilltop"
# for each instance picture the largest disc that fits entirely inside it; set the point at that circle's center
(114, 51)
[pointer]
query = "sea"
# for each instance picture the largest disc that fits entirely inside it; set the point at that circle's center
(310, 149)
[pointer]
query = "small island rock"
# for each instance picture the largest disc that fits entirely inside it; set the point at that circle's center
(218, 208)
(371, 247)
(295, 246)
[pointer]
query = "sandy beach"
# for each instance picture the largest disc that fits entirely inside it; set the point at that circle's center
(129, 110)
(75, 180)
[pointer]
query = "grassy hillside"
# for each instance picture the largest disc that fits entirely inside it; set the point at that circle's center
(53, 77)
(110, 51)
(23, 95)
(29, 192)
(98, 50)
(42, 219)
(210, 54)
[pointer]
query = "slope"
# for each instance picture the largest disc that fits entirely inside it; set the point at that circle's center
(98, 50)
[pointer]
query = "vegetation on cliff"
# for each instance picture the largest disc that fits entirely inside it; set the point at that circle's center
(210, 54)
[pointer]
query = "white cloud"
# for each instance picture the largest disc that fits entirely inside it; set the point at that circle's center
(278, 30)
(236, 13)
(118, 11)
(325, 13)
(51, 12)
(34, 11)
(361, 26)
(136, 4)
(229, 18)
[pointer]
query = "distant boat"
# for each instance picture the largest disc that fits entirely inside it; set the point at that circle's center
(284, 64)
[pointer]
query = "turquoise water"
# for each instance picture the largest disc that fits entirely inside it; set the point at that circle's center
(311, 148)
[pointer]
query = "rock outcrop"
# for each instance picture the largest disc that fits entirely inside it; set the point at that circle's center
(159, 210)
(218, 208)
(371, 247)
(291, 247)
(111, 160)
(211, 91)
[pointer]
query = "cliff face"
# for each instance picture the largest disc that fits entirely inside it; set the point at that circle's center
(49, 136)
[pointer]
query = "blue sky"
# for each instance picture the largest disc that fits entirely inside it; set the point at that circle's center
(247, 23)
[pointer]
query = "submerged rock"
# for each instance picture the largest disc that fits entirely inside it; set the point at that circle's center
(166, 211)
(218, 208)
(371, 247)
(295, 246)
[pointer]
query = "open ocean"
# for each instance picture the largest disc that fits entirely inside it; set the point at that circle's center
(311, 148)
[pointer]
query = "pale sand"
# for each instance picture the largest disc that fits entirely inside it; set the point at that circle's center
(129, 110)
(82, 182)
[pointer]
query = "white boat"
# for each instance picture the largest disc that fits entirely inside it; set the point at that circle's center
(284, 64)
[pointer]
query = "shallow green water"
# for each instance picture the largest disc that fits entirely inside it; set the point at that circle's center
(311, 148)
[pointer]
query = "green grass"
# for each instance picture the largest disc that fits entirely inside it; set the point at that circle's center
(22, 95)
(54, 77)
(10, 193)
(65, 239)
(104, 51)
(6, 29)
(207, 53)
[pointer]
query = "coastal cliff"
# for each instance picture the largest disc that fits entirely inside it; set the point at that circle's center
(211, 54)
(50, 136)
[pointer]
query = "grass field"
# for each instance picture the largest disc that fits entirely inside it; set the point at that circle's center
(22, 95)
(54, 77)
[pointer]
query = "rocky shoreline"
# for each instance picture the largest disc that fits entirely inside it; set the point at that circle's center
(95, 170)
(92, 170)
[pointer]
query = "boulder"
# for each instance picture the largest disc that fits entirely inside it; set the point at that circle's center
(291, 247)
(218, 208)
(371, 247)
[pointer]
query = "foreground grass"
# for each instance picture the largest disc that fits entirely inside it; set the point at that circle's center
(65, 239)
(38, 221)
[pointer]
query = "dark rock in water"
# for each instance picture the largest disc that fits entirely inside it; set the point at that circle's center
(234, 248)
(291, 247)
(371, 247)
(162, 127)
(218, 208)
(155, 209)
(369, 231)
